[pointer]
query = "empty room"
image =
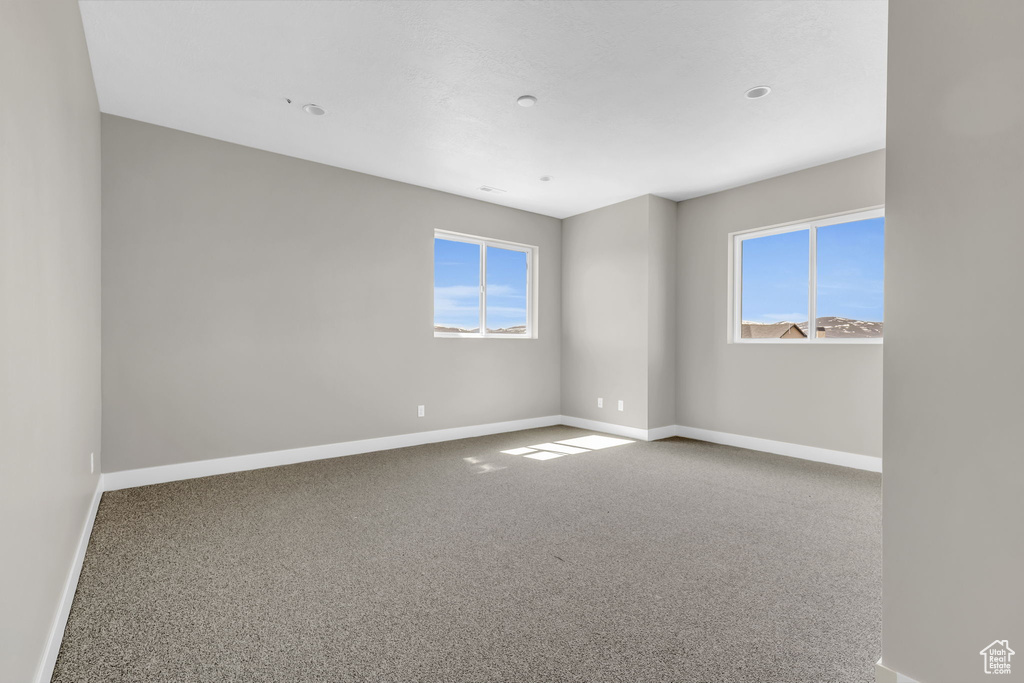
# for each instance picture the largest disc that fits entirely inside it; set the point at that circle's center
(511, 341)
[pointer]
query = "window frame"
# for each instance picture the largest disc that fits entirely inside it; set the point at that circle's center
(532, 255)
(735, 296)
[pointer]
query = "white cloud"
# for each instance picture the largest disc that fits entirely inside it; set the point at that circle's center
(504, 291)
(462, 303)
(507, 310)
(472, 291)
(448, 307)
(457, 292)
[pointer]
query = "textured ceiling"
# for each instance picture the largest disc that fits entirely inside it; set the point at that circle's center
(635, 97)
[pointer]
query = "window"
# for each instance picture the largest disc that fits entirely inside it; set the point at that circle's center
(482, 288)
(829, 271)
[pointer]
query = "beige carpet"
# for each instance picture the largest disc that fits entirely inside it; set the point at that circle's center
(675, 561)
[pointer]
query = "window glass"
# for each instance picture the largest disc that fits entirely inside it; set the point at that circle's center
(507, 278)
(456, 286)
(775, 277)
(850, 278)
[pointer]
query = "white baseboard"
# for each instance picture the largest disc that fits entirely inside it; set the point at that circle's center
(45, 670)
(145, 476)
(884, 674)
(662, 432)
(793, 450)
(608, 428)
(113, 481)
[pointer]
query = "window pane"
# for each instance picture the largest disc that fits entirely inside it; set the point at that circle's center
(456, 286)
(850, 276)
(776, 277)
(506, 291)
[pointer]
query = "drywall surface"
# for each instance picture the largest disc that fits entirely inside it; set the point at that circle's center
(255, 302)
(662, 312)
(604, 308)
(49, 316)
(618, 306)
(424, 92)
(953, 512)
(828, 396)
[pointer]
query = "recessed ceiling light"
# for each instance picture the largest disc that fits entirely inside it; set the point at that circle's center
(527, 101)
(314, 109)
(546, 179)
(488, 188)
(758, 92)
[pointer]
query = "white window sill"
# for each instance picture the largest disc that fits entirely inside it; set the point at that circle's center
(455, 335)
(806, 342)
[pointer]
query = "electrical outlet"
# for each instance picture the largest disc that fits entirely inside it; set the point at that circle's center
(92, 463)
(421, 411)
(622, 405)
(600, 403)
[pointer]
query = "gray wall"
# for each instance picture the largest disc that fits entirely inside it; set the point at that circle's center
(604, 308)
(49, 315)
(763, 390)
(255, 302)
(952, 505)
(662, 313)
(618, 313)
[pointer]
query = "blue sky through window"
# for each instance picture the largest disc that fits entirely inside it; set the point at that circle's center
(850, 273)
(851, 270)
(776, 273)
(457, 286)
(506, 289)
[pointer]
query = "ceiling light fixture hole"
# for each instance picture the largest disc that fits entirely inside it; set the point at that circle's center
(314, 110)
(546, 179)
(527, 101)
(758, 92)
